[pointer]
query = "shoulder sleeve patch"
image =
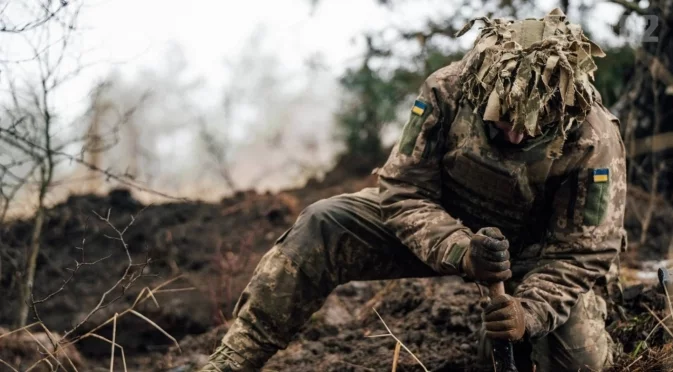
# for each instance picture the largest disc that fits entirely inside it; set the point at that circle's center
(601, 175)
(411, 131)
(597, 199)
(419, 108)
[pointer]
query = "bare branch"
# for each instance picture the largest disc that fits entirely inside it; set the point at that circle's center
(73, 271)
(125, 276)
(113, 343)
(122, 179)
(39, 21)
(631, 6)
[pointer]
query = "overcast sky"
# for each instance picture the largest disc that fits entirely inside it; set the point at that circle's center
(210, 31)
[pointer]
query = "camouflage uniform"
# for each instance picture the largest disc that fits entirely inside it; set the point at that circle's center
(448, 176)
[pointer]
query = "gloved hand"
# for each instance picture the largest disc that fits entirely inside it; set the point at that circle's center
(487, 257)
(504, 319)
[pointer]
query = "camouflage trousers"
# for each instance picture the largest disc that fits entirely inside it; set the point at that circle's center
(342, 239)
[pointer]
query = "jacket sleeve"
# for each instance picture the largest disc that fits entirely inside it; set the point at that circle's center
(410, 181)
(586, 230)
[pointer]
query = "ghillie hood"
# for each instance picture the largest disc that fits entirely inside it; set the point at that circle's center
(533, 73)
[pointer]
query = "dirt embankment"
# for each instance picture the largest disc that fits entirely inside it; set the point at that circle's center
(215, 247)
(212, 247)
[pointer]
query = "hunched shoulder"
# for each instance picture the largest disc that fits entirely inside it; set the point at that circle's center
(447, 80)
(599, 131)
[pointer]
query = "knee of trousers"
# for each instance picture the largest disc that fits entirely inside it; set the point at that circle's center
(581, 344)
(312, 242)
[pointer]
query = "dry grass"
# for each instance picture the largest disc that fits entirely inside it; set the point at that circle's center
(647, 357)
(396, 356)
(398, 345)
(56, 355)
(649, 360)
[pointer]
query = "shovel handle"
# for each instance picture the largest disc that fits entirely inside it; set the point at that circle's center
(503, 351)
(496, 289)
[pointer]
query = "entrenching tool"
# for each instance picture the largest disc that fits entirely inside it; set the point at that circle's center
(666, 284)
(503, 351)
(664, 278)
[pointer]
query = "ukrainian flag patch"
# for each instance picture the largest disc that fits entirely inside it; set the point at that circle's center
(601, 175)
(419, 108)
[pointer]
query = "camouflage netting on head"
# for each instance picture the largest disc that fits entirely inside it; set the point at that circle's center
(532, 73)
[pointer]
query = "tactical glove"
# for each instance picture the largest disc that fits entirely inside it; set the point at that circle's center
(504, 319)
(487, 257)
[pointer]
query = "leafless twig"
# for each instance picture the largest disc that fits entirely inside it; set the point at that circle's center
(48, 14)
(127, 276)
(73, 271)
(109, 174)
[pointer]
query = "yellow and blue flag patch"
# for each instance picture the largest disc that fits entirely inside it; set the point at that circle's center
(601, 175)
(419, 108)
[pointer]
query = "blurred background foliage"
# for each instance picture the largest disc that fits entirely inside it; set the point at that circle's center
(390, 75)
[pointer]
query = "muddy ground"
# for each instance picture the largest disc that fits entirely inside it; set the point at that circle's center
(213, 248)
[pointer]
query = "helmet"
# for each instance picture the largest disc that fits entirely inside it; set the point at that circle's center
(533, 73)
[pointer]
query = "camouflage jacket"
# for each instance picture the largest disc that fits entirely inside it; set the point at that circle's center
(448, 176)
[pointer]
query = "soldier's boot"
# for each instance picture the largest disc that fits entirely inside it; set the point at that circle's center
(225, 359)
(333, 241)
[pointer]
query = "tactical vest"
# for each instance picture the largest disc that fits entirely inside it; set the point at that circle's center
(487, 185)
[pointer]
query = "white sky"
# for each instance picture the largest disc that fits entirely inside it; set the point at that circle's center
(136, 31)
(211, 30)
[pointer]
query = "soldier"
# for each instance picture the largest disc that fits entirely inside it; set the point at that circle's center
(510, 142)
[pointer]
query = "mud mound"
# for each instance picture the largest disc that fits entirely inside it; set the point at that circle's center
(184, 238)
(214, 247)
(437, 319)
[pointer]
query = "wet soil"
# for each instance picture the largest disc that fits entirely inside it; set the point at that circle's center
(213, 249)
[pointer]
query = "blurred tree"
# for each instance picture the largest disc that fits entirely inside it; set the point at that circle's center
(138, 114)
(374, 97)
(30, 150)
(372, 102)
(646, 108)
(614, 72)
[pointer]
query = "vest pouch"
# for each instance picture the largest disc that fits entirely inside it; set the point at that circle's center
(487, 191)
